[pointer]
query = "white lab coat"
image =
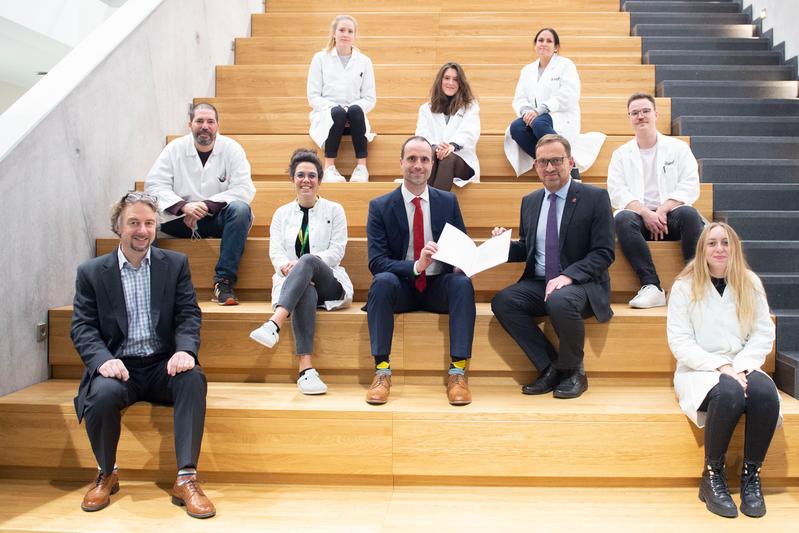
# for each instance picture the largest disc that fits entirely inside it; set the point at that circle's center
(178, 174)
(330, 84)
(463, 129)
(559, 89)
(705, 335)
(678, 173)
(327, 232)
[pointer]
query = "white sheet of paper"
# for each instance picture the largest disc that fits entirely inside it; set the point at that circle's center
(457, 249)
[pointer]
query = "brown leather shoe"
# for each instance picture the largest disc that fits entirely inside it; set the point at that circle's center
(99, 496)
(379, 389)
(192, 496)
(458, 390)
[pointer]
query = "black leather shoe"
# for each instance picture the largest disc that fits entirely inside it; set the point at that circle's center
(545, 382)
(572, 385)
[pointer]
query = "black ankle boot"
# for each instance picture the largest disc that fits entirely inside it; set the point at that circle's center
(714, 492)
(752, 502)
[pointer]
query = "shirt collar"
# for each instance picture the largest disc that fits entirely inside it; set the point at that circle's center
(560, 193)
(121, 259)
(408, 196)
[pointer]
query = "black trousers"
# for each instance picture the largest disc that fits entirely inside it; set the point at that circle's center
(357, 130)
(445, 170)
(725, 403)
(148, 381)
(516, 308)
(684, 224)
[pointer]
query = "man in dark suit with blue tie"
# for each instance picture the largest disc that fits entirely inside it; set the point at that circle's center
(566, 238)
(401, 229)
(136, 326)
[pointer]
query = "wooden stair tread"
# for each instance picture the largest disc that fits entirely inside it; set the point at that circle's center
(402, 23)
(143, 506)
(414, 80)
(607, 399)
(397, 115)
(268, 155)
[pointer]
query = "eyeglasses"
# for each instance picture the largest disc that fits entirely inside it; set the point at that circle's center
(644, 112)
(556, 162)
(136, 196)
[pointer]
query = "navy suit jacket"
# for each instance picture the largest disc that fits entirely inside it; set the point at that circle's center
(586, 238)
(388, 234)
(100, 318)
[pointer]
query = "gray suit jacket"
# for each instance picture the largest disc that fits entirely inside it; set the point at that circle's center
(100, 319)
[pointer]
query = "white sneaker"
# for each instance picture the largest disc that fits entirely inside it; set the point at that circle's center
(649, 296)
(266, 334)
(359, 175)
(332, 175)
(311, 383)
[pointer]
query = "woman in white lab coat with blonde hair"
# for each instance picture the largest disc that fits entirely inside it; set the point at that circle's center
(450, 122)
(720, 331)
(341, 91)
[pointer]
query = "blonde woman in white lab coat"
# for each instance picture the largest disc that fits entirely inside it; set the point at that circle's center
(341, 91)
(450, 122)
(720, 331)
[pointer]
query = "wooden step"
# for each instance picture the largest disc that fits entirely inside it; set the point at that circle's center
(143, 507)
(633, 431)
(395, 115)
(414, 80)
(444, 6)
(404, 23)
(631, 343)
(483, 205)
(269, 155)
(255, 270)
(441, 49)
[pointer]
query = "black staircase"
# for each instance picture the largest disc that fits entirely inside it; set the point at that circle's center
(737, 100)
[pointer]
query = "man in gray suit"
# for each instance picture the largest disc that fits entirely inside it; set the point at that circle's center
(566, 238)
(136, 325)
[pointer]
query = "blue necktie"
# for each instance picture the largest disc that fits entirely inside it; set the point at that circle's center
(551, 246)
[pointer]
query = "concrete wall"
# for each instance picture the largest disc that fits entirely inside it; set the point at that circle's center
(88, 148)
(782, 16)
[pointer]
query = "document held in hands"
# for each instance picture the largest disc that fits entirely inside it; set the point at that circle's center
(457, 249)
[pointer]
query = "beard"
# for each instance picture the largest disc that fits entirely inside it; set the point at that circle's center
(204, 138)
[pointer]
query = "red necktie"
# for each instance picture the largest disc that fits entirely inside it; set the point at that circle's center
(418, 240)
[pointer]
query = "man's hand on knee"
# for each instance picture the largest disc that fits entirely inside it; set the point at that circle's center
(555, 284)
(179, 362)
(114, 368)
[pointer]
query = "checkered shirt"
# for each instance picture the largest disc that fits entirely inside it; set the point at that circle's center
(142, 340)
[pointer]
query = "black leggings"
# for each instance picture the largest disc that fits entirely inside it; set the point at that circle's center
(725, 403)
(357, 130)
(444, 170)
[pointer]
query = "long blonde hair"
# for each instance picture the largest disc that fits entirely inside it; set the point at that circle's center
(331, 43)
(739, 277)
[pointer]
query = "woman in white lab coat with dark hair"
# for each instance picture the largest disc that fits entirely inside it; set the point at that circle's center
(341, 91)
(450, 122)
(547, 101)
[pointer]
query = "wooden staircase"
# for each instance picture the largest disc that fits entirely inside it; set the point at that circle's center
(626, 431)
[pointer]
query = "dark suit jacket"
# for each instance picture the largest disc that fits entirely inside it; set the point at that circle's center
(100, 318)
(388, 234)
(587, 241)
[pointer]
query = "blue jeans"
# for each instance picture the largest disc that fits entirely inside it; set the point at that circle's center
(527, 136)
(232, 225)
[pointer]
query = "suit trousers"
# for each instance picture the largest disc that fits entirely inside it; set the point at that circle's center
(516, 307)
(108, 397)
(450, 293)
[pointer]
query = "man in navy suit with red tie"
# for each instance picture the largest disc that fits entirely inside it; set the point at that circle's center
(566, 238)
(402, 228)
